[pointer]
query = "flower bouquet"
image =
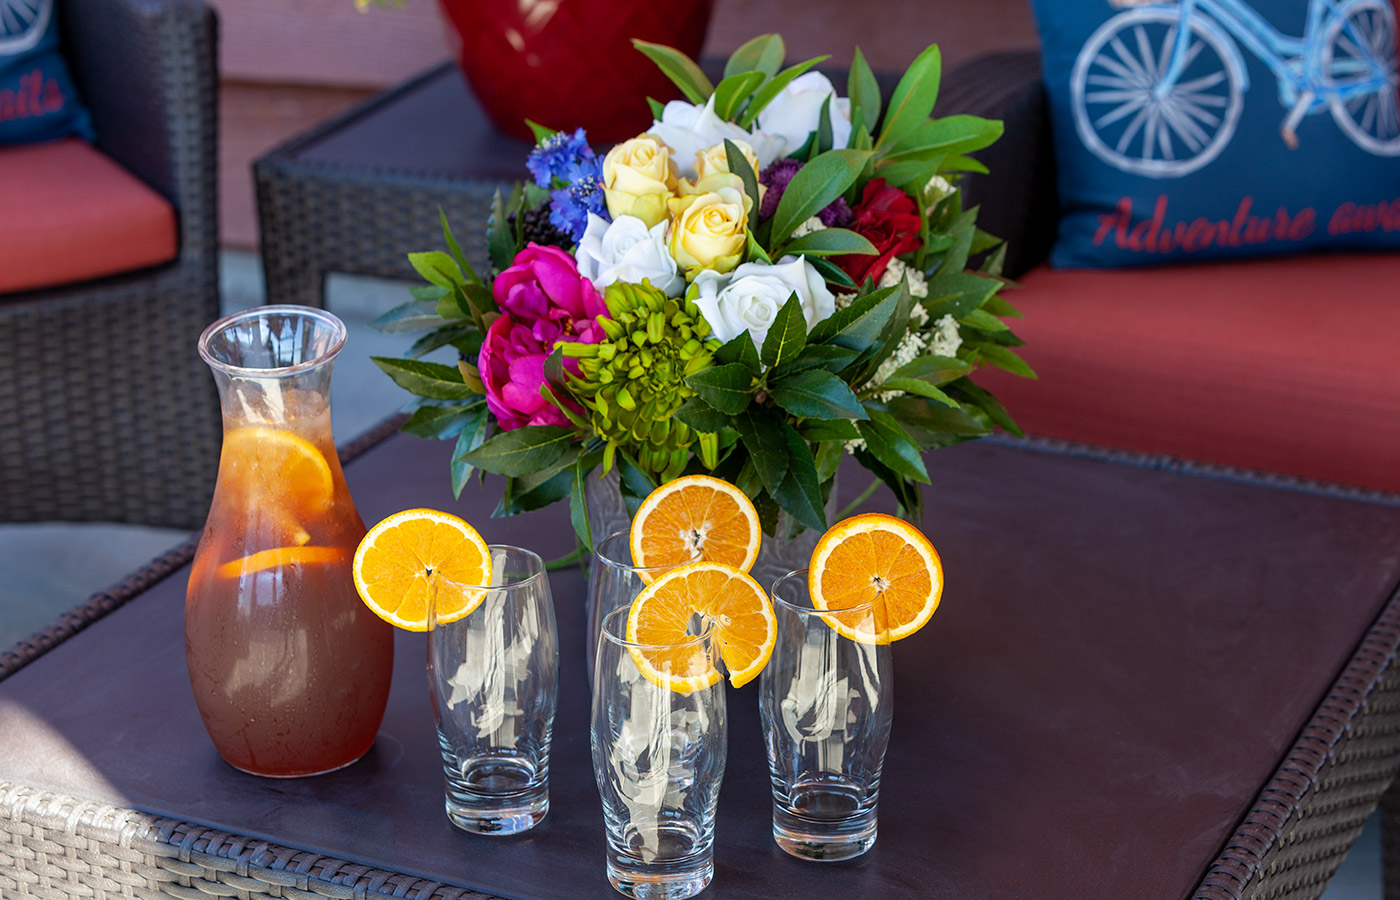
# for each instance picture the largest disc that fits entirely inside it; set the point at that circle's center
(766, 279)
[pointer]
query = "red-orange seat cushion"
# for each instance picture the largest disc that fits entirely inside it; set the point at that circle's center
(68, 213)
(1286, 365)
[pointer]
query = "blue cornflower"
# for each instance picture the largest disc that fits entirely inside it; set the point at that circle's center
(557, 155)
(569, 207)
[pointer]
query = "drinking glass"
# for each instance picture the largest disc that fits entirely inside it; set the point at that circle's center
(658, 756)
(613, 582)
(493, 676)
(825, 704)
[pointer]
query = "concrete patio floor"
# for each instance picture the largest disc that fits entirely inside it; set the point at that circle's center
(47, 568)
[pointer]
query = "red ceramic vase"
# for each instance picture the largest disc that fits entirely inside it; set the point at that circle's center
(571, 63)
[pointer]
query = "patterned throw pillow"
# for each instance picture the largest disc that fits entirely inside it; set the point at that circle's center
(38, 101)
(1204, 129)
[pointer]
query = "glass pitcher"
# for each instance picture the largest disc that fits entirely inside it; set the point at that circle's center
(290, 670)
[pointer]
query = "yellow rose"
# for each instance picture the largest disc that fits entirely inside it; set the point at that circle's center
(708, 231)
(712, 171)
(639, 176)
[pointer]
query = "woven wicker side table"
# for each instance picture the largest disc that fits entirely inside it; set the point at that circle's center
(357, 193)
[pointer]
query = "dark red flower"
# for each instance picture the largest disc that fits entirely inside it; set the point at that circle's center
(889, 219)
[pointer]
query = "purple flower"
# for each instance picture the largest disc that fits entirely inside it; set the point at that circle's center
(543, 290)
(512, 369)
(836, 214)
(776, 177)
(569, 207)
(558, 155)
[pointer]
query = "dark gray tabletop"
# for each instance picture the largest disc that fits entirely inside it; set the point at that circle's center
(1122, 658)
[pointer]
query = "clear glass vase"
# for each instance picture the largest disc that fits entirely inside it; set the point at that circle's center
(290, 670)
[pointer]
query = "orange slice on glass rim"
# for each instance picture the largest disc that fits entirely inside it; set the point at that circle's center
(723, 597)
(695, 517)
(876, 559)
(412, 556)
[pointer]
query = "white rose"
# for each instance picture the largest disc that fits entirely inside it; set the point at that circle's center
(749, 298)
(626, 250)
(796, 112)
(689, 129)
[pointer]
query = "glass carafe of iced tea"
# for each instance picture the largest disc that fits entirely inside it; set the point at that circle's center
(290, 670)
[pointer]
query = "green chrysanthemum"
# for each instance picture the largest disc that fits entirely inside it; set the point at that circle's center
(633, 381)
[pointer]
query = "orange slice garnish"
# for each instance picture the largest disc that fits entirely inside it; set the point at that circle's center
(876, 559)
(414, 556)
(278, 557)
(724, 598)
(695, 517)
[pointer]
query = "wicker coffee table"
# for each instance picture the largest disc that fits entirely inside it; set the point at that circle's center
(1143, 683)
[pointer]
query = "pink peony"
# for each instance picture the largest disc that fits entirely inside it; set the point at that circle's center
(512, 369)
(544, 290)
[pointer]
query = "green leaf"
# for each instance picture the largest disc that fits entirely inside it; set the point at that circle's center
(472, 436)
(727, 388)
(909, 175)
(814, 186)
(829, 242)
(678, 67)
(896, 327)
(768, 511)
(993, 266)
(522, 450)
(739, 165)
(540, 132)
(501, 241)
(1003, 358)
(948, 136)
(740, 349)
(760, 54)
(701, 416)
(982, 320)
(926, 421)
(764, 95)
(822, 138)
(455, 249)
(918, 387)
(863, 90)
(787, 335)
(416, 315)
(820, 430)
(578, 507)
(964, 164)
(935, 370)
(441, 337)
(906, 493)
(913, 98)
(438, 423)
(815, 356)
(833, 273)
(828, 459)
(891, 445)
(817, 394)
(859, 325)
(983, 399)
(731, 93)
(437, 268)
(957, 294)
(426, 379)
(635, 484)
(657, 107)
(801, 492)
(549, 392)
(519, 500)
(762, 434)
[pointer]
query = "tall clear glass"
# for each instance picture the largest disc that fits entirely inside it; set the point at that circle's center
(825, 703)
(493, 677)
(613, 582)
(290, 670)
(658, 756)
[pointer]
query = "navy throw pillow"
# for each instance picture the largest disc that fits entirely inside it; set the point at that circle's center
(38, 101)
(1204, 129)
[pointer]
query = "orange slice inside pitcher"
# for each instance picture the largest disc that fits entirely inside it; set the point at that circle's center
(876, 559)
(723, 597)
(695, 517)
(418, 554)
(280, 472)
